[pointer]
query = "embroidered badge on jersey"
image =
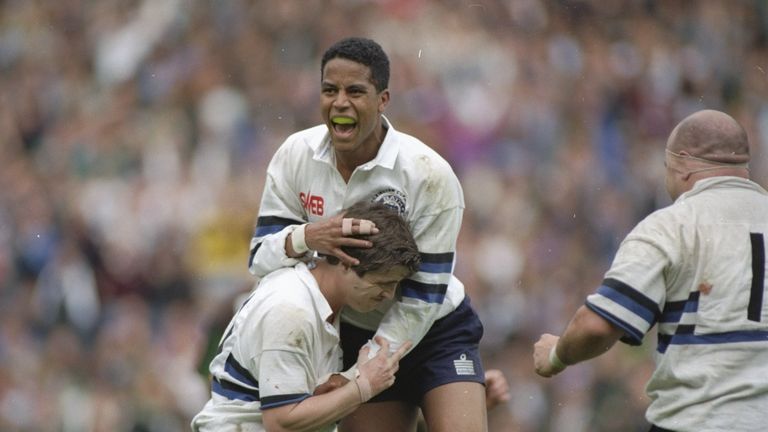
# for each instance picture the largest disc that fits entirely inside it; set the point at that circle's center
(464, 366)
(393, 199)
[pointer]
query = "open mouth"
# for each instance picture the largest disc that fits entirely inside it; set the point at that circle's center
(343, 126)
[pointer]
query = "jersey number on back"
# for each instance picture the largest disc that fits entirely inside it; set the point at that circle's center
(758, 277)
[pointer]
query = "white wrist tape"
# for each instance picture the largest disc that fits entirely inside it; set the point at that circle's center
(555, 361)
(364, 387)
(298, 240)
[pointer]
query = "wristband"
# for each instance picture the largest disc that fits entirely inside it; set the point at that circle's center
(298, 240)
(364, 387)
(555, 361)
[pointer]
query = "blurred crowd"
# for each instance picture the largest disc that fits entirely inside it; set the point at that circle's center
(134, 138)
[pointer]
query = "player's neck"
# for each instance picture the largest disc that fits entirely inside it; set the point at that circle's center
(347, 162)
(325, 277)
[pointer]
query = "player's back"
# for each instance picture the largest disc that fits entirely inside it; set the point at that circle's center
(712, 372)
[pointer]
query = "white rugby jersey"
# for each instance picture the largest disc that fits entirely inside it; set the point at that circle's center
(697, 269)
(274, 352)
(303, 185)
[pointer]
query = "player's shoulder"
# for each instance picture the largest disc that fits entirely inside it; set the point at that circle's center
(411, 146)
(282, 287)
(307, 136)
(288, 299)
(303, 141)
(662, 227)
(417, 158)
(297, 150)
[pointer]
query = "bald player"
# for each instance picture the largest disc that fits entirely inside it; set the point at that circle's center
(697, 270)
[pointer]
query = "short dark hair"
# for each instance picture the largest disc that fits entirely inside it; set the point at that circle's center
(364, 51)
(392, 246)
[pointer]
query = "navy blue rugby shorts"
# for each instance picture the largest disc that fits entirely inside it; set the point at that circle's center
(448, 353)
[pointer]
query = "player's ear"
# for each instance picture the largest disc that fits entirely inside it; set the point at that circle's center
(383, 100)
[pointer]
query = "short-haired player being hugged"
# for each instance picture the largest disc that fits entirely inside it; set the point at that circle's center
(358, 155)
(284, 340)
(696, 270)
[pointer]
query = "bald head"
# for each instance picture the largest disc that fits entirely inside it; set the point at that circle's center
(711, 135)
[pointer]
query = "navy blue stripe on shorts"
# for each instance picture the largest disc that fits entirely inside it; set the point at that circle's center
(448, 353)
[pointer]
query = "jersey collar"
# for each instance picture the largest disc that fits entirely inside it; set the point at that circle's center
(721, 181)
(385, 158)
(319, 300)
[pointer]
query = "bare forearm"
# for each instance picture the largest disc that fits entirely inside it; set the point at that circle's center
(587, 336)
(314, 412)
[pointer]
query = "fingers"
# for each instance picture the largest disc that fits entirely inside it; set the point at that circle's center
(496, 388)
(334, 381)
(326, 237)
(366, 227)
(383, 344)
(351, 226)
(402, 350)
(541, 350)
(346, 259)
(346, 226)
(362, 355)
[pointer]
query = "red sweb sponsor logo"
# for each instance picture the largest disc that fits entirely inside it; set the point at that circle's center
(312, 203)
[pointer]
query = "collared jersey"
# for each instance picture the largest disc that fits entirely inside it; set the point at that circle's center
(274, 352)
(697, 270)
(303, 185)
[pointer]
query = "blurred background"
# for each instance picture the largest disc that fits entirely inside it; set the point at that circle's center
(135, 134)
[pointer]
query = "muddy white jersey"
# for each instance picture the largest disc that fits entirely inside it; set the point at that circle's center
(697, 270)
(303, 185)
(278, 347)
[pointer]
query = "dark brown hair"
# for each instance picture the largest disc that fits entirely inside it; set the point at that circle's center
(392, 246)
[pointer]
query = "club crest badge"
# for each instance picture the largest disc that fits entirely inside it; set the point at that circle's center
(393, 199)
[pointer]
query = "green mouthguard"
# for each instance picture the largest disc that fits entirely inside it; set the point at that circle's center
(343, 120)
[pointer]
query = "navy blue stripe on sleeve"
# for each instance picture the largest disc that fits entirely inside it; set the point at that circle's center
(235, 370)
(253, 254)
(266, 225)
(280, 400)
(631, 299)
(436, 263)
(234, 391)
(430, 293)
(632, 336)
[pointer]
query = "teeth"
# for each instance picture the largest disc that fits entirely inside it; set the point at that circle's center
(343, 120)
